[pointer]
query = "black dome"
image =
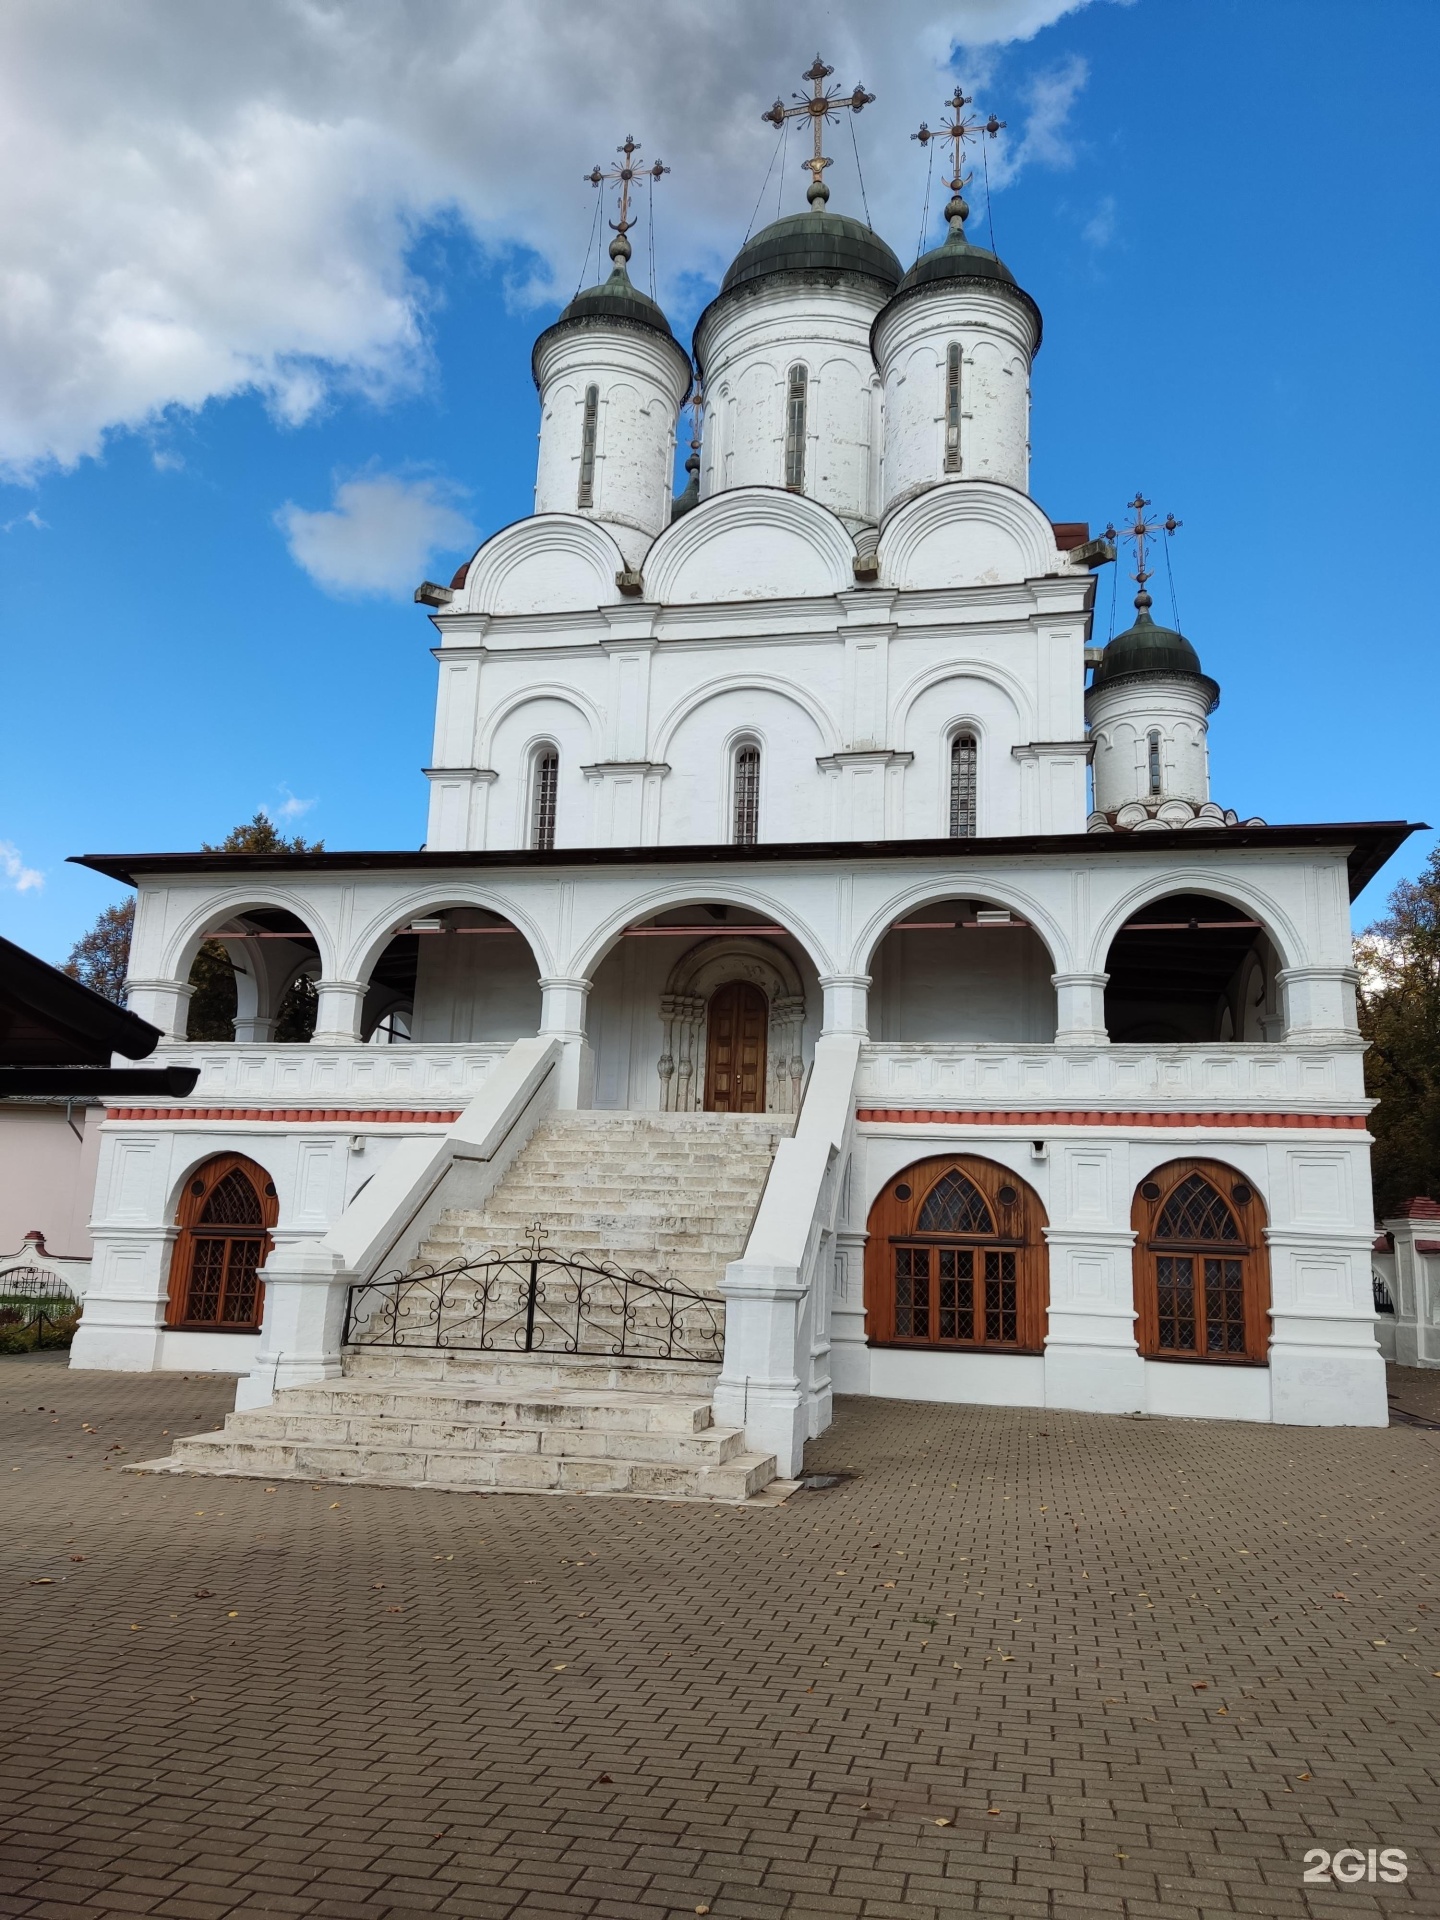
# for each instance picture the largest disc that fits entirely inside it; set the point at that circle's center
(812, 242)
(617, 298)
(959, 260)
(1148, 652)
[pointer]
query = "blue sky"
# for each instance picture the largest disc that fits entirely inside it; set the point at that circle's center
(1224, 210)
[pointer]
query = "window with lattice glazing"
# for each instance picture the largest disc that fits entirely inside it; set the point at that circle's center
(1201, 1283)
(796, 394)
(544, 794)
(956, 1258)
(952, 408)
(964, 757)
(589, 428)
(226, 1211)
(745, 804)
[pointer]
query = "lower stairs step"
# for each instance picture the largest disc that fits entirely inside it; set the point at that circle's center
(510, 1426)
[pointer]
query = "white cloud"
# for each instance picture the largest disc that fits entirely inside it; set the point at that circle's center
(378, 536)
(14, 870)
(30, 519)
(205, 199)
(1099, 229)
(290, 808)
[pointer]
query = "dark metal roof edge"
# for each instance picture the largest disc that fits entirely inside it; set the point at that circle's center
(66, 1004)
(1372, 843)
(169, 1083)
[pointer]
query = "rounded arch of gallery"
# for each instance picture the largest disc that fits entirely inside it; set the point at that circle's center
(449, 968)
(706, 1004)
(975, 967)
(1194, 965)
(251, 965)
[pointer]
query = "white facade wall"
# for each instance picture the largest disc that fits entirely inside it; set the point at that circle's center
(853, 699)
(996, 335)
(1123, 717)
(642, 379)
(747, 345)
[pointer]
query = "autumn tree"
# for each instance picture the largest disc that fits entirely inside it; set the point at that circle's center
(99, 959)
(1399, 962)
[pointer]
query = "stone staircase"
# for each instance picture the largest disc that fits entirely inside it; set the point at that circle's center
(673, 1194)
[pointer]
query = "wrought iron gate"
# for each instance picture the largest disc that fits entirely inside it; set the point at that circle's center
(534, 1300)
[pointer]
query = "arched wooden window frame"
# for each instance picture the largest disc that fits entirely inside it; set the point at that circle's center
(1248, 1211)
(1019, 1229)
(200, 1184)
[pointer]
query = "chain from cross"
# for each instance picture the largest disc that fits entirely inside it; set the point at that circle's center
(957, 130)
(822, 106)
(626, 175)
(1141, 530)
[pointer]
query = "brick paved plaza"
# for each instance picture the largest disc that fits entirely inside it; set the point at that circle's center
(1025, 1664)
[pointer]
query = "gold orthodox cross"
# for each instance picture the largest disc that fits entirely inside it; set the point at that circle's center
(1141, 530)
(821, 105)
(957, 130)
(626, 174)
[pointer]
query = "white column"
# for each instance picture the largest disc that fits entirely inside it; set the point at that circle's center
(1091, 1358)
(337, 1016)
(1080, 1009)
(1325, 1364)
(304, 1321)
(760, 1388)
(1319, 1005)
(164, 1003)
(846, 1004)
(562, 1018)
(1416, 1288)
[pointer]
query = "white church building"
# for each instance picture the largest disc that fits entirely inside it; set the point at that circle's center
(809, 983)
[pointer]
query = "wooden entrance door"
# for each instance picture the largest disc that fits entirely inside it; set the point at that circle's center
(735, 1024)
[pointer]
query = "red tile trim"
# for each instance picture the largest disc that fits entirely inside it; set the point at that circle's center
(1095, 1117)
(409, 1116)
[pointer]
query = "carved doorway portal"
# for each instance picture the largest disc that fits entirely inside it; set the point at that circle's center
(735, 1030)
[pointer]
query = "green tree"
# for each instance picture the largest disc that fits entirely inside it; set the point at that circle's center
(1399, 962)
(101, 957)
(261, 835)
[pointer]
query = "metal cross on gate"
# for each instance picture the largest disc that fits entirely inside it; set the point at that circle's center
(822, 106)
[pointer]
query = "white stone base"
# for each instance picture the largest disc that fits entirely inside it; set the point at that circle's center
(1184, 1391)
(207, 1352)
(958, 1379)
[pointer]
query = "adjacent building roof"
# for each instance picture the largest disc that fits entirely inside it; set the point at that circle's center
(48, 1019)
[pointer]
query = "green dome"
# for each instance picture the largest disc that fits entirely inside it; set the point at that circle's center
(813, 242)
(1148, 652)
(958, 260)
(617, 298)
(613, 302)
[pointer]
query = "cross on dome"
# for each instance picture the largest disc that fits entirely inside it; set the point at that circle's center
(1140, 531)
(626, 175)
(957, 130)
(822, 105)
